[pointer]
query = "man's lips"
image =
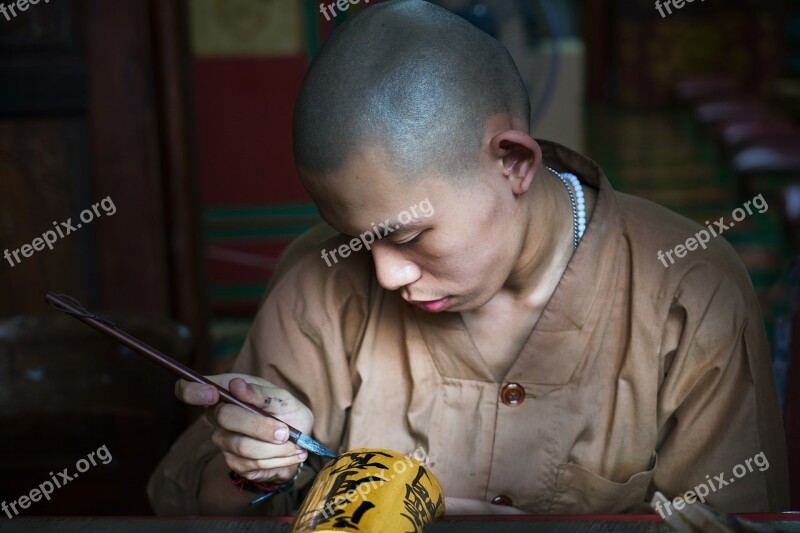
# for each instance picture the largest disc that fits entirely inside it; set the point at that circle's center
(432, 306)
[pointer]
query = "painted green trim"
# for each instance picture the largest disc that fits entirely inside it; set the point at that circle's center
(312, 31)
(259, 222)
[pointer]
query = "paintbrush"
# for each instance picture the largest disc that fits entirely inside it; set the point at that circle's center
(73, 308)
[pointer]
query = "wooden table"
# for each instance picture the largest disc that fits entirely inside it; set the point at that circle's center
(473, 524)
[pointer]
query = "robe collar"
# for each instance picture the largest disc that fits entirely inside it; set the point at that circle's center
(574, 311)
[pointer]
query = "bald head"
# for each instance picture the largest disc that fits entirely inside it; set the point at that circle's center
(411, 76)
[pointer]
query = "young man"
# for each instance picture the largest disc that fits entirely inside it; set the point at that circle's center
(522, 330)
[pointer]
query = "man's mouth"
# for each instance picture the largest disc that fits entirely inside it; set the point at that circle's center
(432, 306)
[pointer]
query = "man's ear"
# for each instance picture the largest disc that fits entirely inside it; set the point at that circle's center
(520, 156)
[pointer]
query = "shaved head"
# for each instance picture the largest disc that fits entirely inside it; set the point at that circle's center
(412, 77)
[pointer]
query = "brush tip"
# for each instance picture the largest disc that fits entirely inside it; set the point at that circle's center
(313, 446)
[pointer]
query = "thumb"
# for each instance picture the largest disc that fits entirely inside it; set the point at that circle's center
(256, 391)
(247, 393)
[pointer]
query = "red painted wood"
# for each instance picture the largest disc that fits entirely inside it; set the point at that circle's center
(244, 117)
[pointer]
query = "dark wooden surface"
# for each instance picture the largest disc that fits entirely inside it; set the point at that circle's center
(516, 524)
(65, 391)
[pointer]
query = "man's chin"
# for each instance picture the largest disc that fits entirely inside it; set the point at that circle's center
(464, 304)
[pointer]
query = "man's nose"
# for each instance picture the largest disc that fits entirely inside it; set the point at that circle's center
(392, 268)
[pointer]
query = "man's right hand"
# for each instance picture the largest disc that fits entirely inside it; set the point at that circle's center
(255, 447)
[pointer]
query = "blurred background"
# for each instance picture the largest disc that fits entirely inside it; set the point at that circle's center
(179, 111)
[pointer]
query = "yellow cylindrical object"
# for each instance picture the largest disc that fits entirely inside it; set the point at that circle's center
(371, 490)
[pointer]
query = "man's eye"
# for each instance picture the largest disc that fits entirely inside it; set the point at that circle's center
(410, 242)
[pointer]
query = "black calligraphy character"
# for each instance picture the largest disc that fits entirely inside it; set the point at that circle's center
(418, 502)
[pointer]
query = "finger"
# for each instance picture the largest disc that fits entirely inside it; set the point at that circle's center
(261, 461)
(236, 420)
(202, 394)
(250, 448)
(244, 465)
(196, 393)
(242, 390)
(275, 475)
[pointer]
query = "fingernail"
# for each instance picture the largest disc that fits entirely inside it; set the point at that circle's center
(281, 434)
(303, 455)
(207, 395)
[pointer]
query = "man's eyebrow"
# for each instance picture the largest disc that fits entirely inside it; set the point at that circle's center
(406, 227)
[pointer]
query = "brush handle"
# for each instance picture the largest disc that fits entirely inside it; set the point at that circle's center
(157, 357)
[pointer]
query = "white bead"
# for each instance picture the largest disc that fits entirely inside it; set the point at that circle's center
(577, 199)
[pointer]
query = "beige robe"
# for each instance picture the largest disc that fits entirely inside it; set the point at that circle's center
(636, 377)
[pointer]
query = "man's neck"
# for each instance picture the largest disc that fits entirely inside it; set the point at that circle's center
(500, 327)
(548, 244)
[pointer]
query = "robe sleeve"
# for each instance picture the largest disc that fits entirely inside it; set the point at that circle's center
(719, 422)
(301, 340)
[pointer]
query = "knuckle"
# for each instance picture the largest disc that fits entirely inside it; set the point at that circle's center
(284, 474)
(239, 445)
(253, 475)
(233, 462)
(218, 439)
(223, 414)
(276, 475)
(212, 415)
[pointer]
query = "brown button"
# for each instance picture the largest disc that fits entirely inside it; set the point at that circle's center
(512, 394)
(502, 500)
